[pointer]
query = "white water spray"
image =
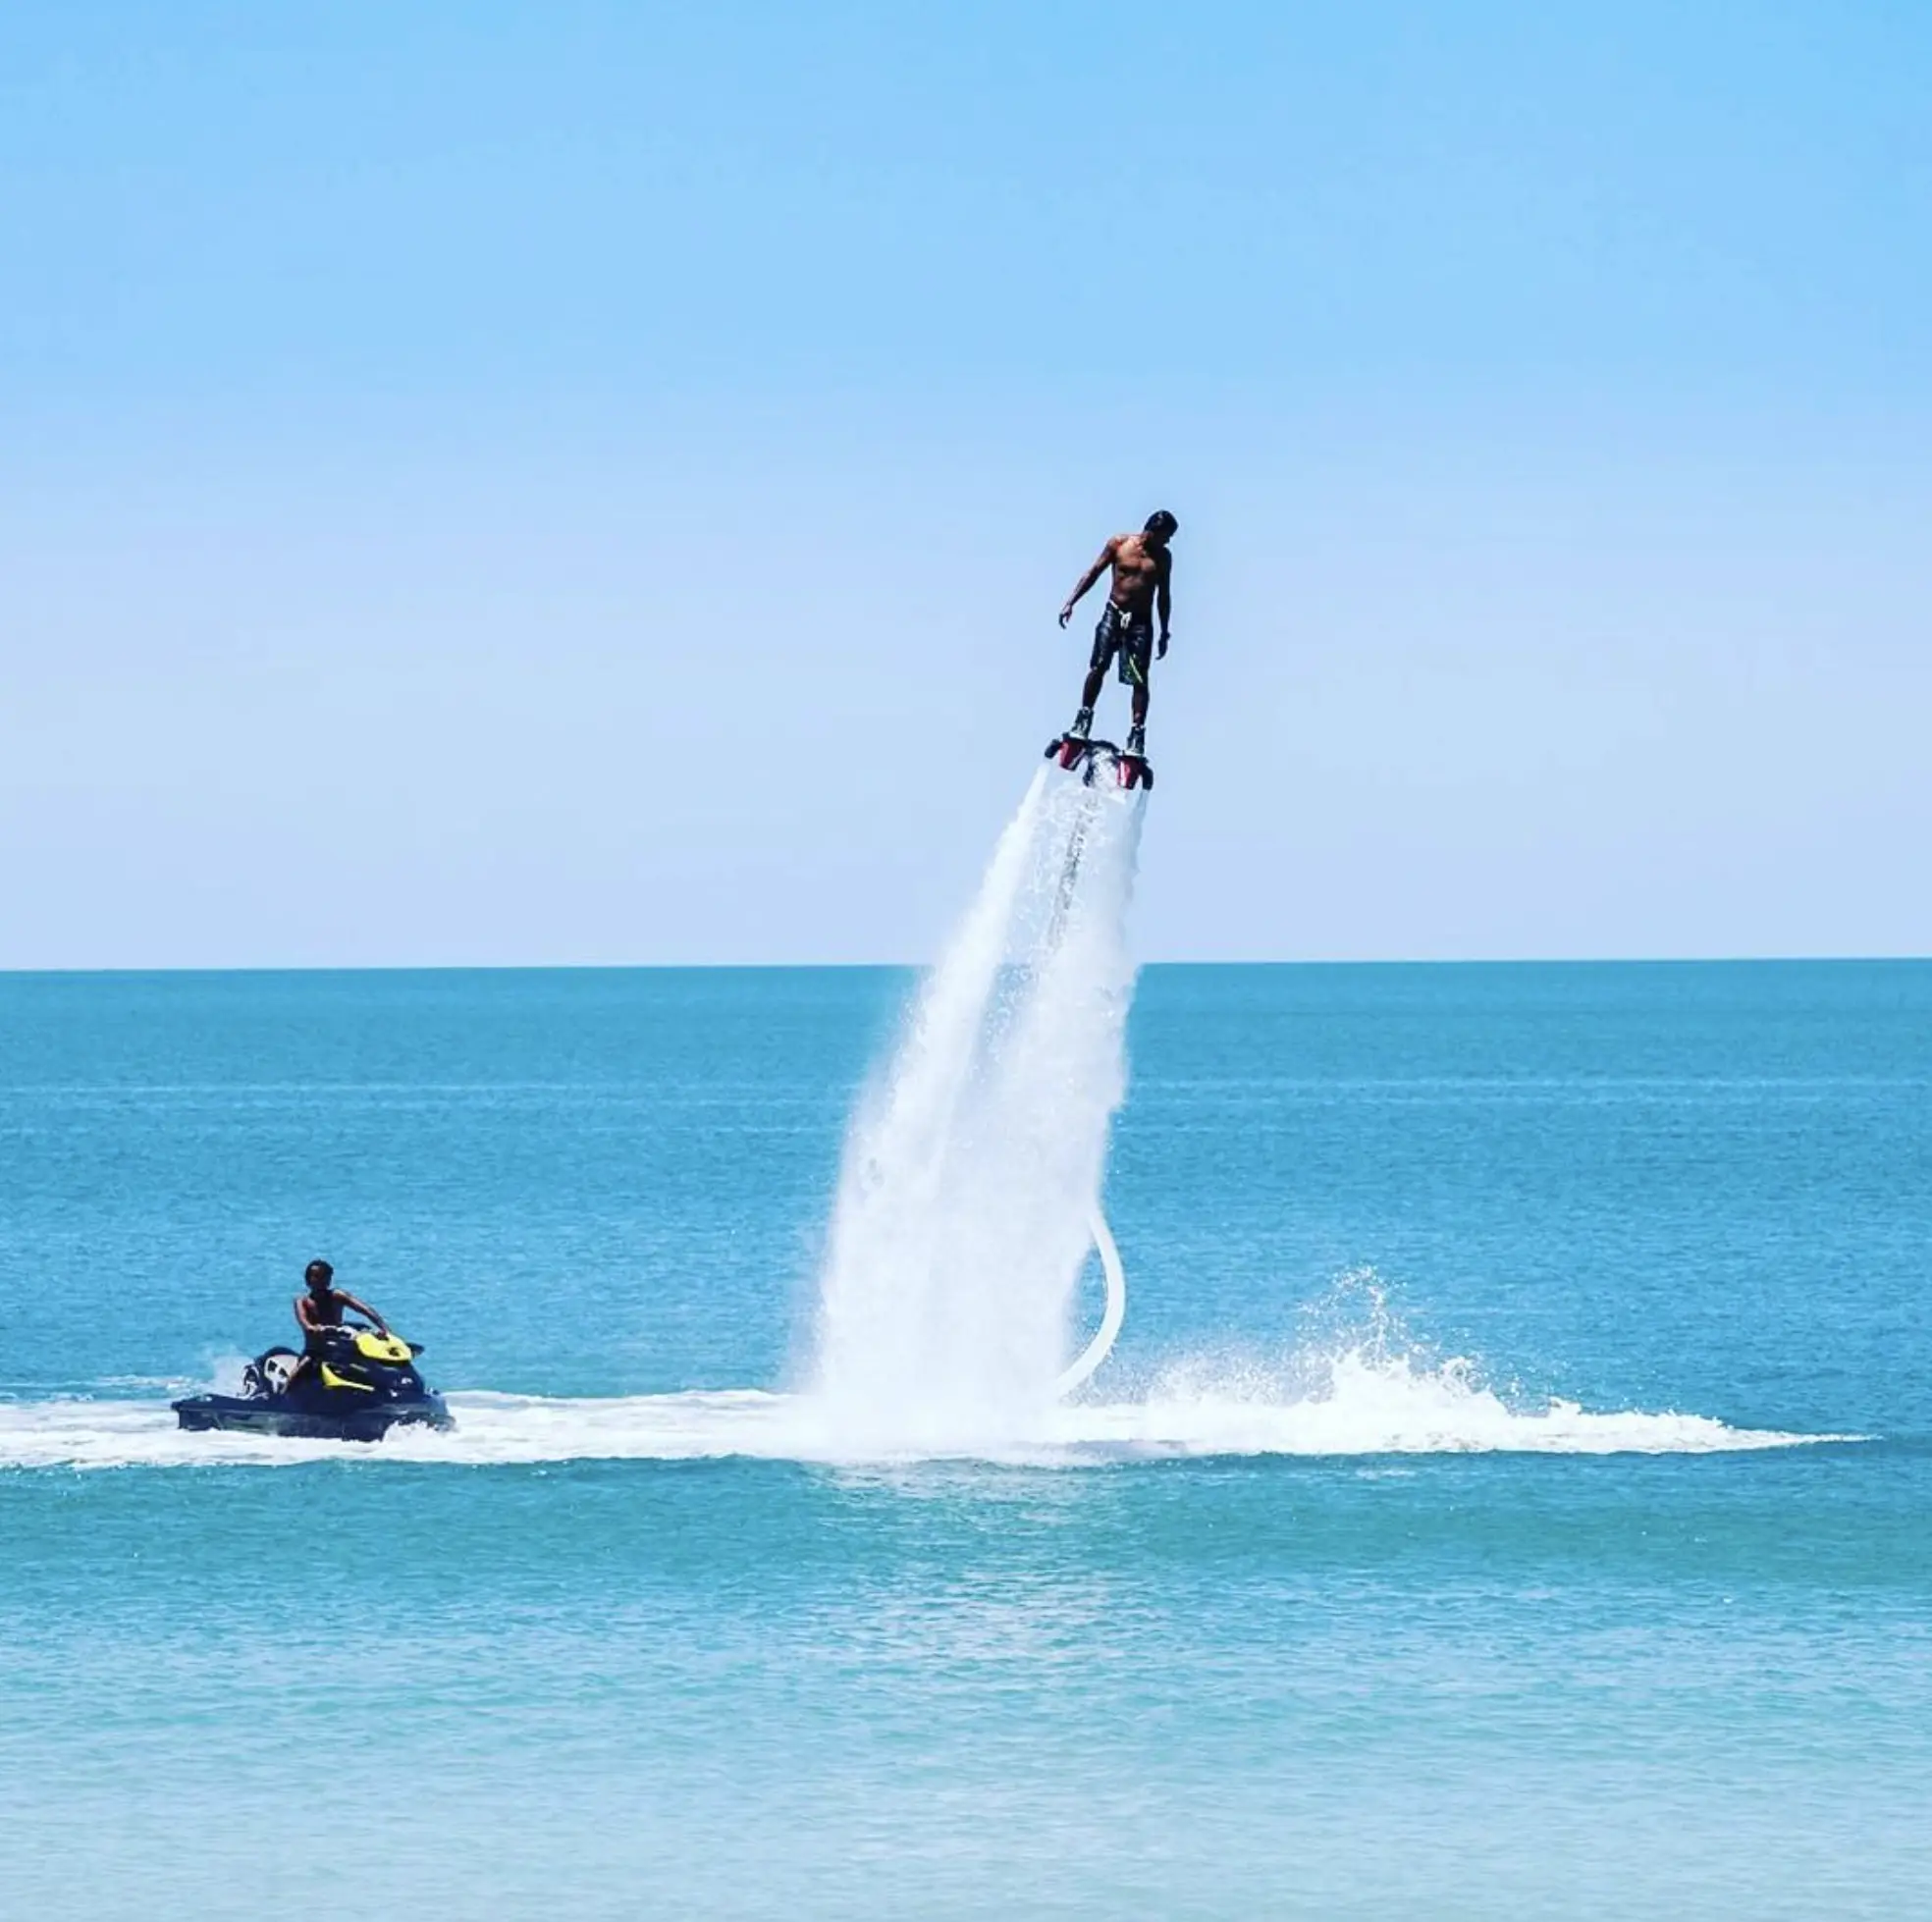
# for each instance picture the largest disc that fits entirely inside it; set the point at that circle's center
(973, 1173)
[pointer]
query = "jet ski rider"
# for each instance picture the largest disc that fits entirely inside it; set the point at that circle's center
(1143, 574)
(322, 1308)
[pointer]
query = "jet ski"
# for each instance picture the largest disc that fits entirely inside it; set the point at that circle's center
(1091, 759)
(360, 1384)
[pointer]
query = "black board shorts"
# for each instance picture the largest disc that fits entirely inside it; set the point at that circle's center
(1132, 640)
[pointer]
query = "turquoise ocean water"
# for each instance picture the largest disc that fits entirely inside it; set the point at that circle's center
(1448, 1535)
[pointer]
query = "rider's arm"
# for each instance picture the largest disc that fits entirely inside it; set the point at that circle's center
(302, 1316)
(1087, 580)
(363, 1309)
(1163, 597)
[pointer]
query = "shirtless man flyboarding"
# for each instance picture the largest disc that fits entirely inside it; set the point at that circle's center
(1143, 571)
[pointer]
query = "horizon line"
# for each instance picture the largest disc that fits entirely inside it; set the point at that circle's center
(129, 972)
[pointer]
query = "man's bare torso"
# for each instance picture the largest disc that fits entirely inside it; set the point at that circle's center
(1138, 570)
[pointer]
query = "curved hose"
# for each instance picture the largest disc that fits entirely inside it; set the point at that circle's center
(1096, 1351)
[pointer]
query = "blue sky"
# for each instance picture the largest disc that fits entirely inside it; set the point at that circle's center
(594, 483)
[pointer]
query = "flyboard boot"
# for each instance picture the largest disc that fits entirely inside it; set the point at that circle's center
(1076, 745)
(1132, 765)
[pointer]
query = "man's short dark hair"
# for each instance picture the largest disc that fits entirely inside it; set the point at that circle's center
(1160, 522)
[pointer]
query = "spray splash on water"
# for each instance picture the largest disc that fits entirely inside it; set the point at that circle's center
(1360, 1411)
(1356, 1385)
(975, 1164)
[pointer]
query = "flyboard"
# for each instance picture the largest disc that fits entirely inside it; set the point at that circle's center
(1093, 762)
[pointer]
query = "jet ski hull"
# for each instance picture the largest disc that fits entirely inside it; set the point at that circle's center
(256, 1416)
(359, 1384)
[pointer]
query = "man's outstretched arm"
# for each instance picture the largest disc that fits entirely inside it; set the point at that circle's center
(1087, 580)
(363, 1309)
(1163, 599)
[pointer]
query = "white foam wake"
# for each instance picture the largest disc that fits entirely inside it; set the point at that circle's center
(974, 1165)
(1367, 1408)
